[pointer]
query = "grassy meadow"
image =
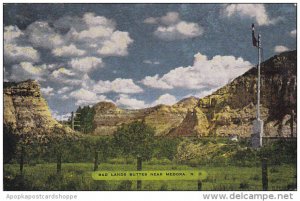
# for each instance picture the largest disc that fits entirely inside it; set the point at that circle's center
(230, 166)
(77, 176)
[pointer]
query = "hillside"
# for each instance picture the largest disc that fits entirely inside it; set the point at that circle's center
(162, 117)
(25, 109)
(231, 109)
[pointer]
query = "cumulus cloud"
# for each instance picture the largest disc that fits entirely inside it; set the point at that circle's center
(119, 85)
(116, 45)
(16, 54)
(124, 100)
(11, 33)
(97, 35)
(79, 42)
(130, 103)
(168, 19)
(204, 73)
(40, 34)
(65, 76)
(48, 91)
(293, 33)
(254, 11)
(86, 64)
(166, 99)
(280, 48)
(171, 27)
(60, 117)
(147, 61)
(156, 82)
(26, 70)
(151, 20)
(62, 71)
(204, 92)
(68, 51)
(86, 97)
(64, 90)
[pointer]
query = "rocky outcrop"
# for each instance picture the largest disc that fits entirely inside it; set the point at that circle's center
(231, 109)
(26, 111)
(161, 117)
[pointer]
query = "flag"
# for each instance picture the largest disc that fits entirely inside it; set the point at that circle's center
(254, 40)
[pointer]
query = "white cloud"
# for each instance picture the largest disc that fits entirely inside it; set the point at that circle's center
(66, 76)
(181, 30)
(11, 33)
(124, 100)
(83, 41)
(16, 54)
(171, 27)
(68, 51)
(254, 11)
(65, 97)
(130, 103)
(147, 61)
(26, 70)
(62, 71)
(166, 99)
(151, 20)
(48, 91)
(91, 20)
(293, 33)
(60, 117)
(40, 34)
(63, 90)
(280, 48)
(204, 73)
(95, 35)
(118, 85)
(117, 44)
(156, 82)
(170, 18)
(205, 93)
(86, 97)
(86, 64)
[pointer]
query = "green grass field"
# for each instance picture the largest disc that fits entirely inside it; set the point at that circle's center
(77, 176)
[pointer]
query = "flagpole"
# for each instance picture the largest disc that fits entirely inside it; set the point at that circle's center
(258, 77)
(258, 124)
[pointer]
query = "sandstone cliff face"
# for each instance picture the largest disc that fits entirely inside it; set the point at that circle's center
(232, 108)
(161, 117)
(25, 110)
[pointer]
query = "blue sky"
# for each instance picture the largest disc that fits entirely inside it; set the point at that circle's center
(137, 55)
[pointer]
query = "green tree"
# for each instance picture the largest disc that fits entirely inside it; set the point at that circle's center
(136, 139)
(57, 143)
(84, 118)
(99, 148)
